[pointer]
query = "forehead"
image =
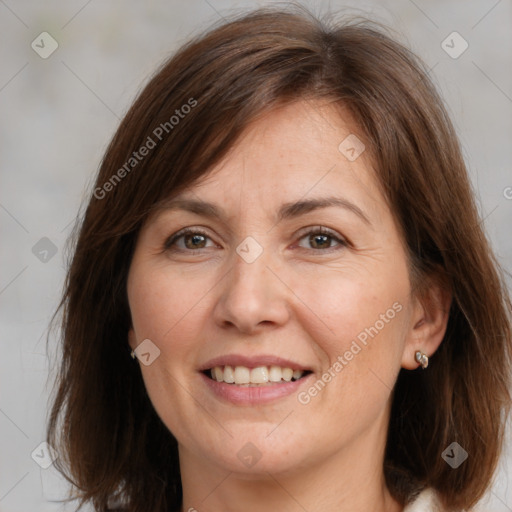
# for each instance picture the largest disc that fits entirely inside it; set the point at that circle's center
(293, 152)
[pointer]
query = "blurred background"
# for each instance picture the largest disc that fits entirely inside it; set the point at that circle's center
(69, 72)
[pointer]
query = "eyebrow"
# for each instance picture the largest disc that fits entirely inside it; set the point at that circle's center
(286, 211)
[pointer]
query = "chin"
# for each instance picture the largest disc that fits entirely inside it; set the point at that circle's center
(255, 455)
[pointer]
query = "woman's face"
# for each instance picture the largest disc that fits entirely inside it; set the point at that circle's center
(271, 277)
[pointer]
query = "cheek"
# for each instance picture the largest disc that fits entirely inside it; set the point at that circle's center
(345, 306)
(361, 320)
(360, 338)
(164, 308)
(162, 304)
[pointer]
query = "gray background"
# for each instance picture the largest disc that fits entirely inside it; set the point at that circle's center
(58, 114)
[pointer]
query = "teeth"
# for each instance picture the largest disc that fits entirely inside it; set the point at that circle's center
(242, 375)
(297, 374)
(229, 375)
(218, 374)
(275, 374)
(287, 374)
(262, 375)
(259, 375)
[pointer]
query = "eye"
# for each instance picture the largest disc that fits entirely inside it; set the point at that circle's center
(191, 239)
(321, 239)
(187, 239)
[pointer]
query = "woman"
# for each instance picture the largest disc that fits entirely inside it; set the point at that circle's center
(283, 237)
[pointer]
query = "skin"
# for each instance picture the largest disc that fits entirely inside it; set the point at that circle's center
(304, 299)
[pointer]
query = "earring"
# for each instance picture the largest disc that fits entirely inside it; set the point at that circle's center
(132, 353)
(421, 358)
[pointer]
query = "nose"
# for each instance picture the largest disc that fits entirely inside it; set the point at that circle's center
(252, 296)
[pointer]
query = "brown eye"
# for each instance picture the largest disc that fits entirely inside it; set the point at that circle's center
(187, 240)
(322, 239)
(194, 241)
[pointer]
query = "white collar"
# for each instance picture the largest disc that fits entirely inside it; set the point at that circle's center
(426, 501)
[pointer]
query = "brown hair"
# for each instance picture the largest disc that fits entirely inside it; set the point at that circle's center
(111, 442)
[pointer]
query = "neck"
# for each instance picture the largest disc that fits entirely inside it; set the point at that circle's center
(350, 480)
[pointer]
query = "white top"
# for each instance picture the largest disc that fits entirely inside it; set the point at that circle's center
(426, 501)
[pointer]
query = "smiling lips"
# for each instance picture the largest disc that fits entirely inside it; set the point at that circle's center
(253, 371)
(259, 376)
(253, 380)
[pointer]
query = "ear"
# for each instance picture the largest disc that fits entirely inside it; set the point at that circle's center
(429, 320)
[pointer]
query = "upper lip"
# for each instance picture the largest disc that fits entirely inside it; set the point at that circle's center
(252, 362)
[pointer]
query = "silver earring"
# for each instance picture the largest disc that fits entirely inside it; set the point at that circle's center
(421, 358)
(132, 353)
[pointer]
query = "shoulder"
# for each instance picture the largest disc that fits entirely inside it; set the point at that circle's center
(426, 501)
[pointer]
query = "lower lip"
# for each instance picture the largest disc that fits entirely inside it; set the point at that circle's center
(253, 395)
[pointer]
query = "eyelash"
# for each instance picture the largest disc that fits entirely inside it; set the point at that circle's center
(319, 230)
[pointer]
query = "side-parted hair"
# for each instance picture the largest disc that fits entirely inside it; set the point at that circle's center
(111, 443)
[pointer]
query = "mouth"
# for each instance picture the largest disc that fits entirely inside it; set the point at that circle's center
(255, 380)
(259, 376)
